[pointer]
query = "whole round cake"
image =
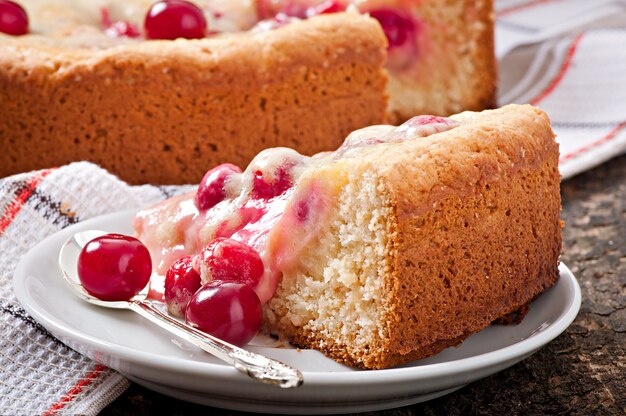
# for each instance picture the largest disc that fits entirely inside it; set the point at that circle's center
(105, 81)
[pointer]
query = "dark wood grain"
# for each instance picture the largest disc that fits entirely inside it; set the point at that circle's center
(582, 372)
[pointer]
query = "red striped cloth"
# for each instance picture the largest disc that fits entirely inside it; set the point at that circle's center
(38, 374)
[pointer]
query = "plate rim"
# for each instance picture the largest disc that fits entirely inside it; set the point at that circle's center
(320, 378)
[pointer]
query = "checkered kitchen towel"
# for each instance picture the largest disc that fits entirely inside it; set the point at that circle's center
(38, 374)
(566, 56)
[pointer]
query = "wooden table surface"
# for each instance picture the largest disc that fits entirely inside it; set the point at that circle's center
(582, 372)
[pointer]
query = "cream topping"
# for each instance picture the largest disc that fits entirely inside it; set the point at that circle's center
(80, 24)
(94, 24)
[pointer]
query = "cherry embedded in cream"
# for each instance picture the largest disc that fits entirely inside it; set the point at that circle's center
(266, 188)
(182, 281)
(402, 30)
(230, 260)
(114, 267)
(13, 18)
(213, 188)
(273, 172)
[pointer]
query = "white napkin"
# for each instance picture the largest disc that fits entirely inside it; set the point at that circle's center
(568, 57)
(557, 54)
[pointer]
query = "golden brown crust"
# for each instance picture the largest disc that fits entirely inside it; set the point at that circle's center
(473, 234)
(161, 111)
(488, 239)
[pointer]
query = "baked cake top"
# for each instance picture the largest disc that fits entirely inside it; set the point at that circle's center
(94, 24)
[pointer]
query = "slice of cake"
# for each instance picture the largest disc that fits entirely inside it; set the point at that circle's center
(160, 111)
(404, 241)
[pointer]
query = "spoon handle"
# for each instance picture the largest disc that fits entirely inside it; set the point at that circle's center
(256, 366)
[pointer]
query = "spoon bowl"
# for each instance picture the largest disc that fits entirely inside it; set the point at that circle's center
(256, 366)
(68, 259)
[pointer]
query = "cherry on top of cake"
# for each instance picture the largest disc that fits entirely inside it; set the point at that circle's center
(13, 18)
(106, 23)
(100, 24)
(261, 218)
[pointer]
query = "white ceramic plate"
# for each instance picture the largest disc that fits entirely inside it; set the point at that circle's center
(151, 357)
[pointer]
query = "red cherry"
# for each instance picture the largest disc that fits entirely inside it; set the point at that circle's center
(174, 19)
(114, 267)
(398, 28)
(13, 18)
(211, 190)
(329, 6)
(181, 282)
(264, 189)
(227, 310)
(231, 260)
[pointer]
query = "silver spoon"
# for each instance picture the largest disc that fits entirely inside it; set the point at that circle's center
(258, 367)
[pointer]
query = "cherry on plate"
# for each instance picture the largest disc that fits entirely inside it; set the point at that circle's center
(229, 311)
(114, 267)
